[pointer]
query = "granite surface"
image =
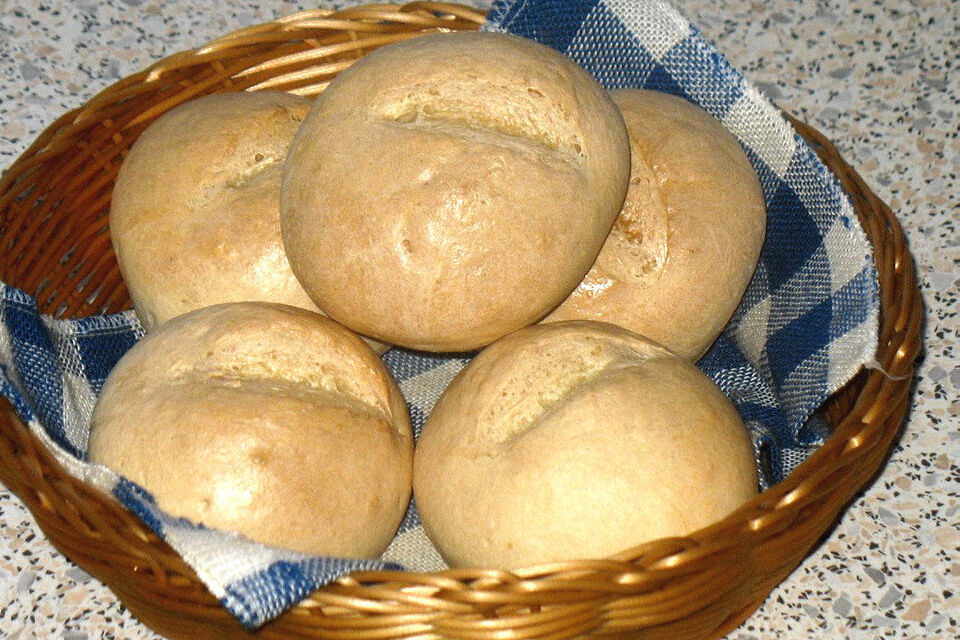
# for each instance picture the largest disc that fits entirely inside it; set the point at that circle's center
(878, 78)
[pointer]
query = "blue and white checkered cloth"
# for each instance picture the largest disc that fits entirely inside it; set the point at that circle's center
(808, 321)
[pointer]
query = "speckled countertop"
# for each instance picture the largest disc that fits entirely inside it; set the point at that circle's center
(879, 78)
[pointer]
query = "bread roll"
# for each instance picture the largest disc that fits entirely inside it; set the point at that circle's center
(265, 419)
(687, 241)
(576, 440)
(194, 218)
(458, 186)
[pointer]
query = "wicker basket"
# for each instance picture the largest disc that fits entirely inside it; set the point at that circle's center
(54, 202)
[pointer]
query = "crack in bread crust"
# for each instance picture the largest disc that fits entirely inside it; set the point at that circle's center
(563, 397)
(530, 118)
(548, 387)
(277, 370)
(260, 164)
(485, 136)
(642, 228)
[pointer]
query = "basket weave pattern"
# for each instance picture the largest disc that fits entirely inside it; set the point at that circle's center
(53, 224)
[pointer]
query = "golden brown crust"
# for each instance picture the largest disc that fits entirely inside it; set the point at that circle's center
(576, 440)
(195, 214)
(688, 238)
(288, 427)
(469, 198)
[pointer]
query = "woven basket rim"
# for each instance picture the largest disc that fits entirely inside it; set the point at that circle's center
(867, 414)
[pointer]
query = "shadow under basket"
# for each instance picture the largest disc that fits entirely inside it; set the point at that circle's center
(56, 246)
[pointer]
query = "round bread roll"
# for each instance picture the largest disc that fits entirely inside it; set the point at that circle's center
(195, 214)
(576, 440)
(688, 238)
(264, 419)
(458, 186)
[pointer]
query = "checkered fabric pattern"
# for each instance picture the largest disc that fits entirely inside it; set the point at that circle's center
(808, 321)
